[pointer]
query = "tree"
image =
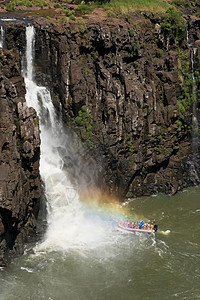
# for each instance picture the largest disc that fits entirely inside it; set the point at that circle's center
(174, 25)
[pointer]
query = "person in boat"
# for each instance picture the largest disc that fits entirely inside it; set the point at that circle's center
(130, 224)
(153, 224)
(133, 224)
(141, 224)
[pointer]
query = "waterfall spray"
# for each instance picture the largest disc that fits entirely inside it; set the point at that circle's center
(1, 37)
(194, 110)
(195, 125)
(68, 224)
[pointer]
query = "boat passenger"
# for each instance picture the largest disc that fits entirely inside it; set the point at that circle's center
(141, 224)
(131, 224)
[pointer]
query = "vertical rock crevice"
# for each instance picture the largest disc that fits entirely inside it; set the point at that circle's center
(129, 80)
(121, 86)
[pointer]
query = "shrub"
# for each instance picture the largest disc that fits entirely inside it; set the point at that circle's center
(160, 52)
(57, 5)
(10, 6)
(174, 25)
(84, 121)
(182, 3)
(72, 17)
(131, 32)
(28, 4)
(84, 108)
(134, 48)
(83, 9)
(198, 14)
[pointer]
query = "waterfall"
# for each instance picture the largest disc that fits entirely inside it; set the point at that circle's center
(67, 224)
(195, 125)
(194, 109)
(1, 37)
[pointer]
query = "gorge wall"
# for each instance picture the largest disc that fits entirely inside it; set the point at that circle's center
(19, 159)
(126, 89)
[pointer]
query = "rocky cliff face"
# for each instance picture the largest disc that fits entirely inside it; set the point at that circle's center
(126, 89)
(123, 87)
(19, 159)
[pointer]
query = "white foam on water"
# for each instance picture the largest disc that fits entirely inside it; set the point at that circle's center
(8, 19)
(196, 211)
(166, 232)
(26, 269)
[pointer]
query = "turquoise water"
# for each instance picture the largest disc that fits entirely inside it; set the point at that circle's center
(118, 265)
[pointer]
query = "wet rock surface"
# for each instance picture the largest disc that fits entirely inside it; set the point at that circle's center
(19, 160)
(121, 84)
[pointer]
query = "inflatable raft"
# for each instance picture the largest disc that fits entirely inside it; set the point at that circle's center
(138, 227)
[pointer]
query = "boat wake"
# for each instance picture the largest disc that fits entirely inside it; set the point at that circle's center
(166, 232)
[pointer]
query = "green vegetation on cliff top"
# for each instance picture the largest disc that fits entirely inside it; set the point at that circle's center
(122, 5)
(58, 7)
(148, 5)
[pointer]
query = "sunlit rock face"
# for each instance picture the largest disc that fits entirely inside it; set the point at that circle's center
(19, 159)
(120, 82)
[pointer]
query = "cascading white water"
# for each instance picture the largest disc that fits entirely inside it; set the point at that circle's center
(1, 37)
(68, 226)
(195, 125)
(130, 266)
(194, 115)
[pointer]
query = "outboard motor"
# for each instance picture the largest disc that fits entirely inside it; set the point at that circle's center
(155, 227)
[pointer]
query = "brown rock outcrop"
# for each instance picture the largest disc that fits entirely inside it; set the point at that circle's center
(120, 84)
(19, 159)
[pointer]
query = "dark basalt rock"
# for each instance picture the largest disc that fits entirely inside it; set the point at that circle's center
(129, 79)
(19, 160)
(119, 83)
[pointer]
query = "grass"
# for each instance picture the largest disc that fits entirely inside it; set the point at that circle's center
(11, 6)
(121, 6)
(83, 9)
(138, 5)
(124, 6)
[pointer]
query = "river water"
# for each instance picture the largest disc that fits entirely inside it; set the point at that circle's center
(117, 264)
(83, 254)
